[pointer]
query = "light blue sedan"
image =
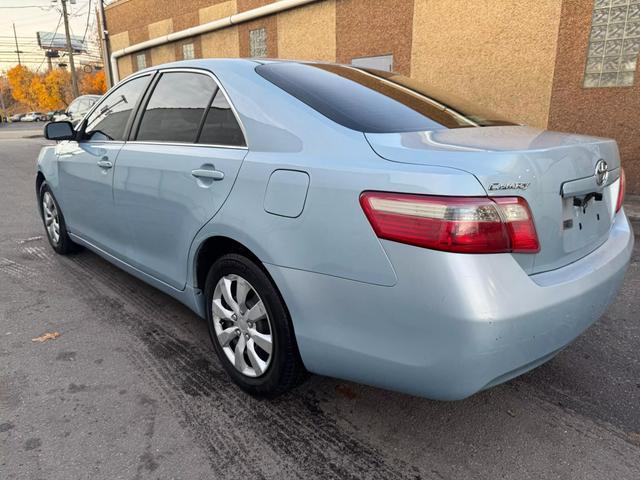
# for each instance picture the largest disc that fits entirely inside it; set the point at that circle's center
(343, 221)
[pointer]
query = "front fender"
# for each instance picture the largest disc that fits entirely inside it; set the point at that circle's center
(48, 166)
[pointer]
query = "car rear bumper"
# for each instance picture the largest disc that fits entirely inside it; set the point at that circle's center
(453, 324)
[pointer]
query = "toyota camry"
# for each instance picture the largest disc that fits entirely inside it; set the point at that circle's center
(343, 221)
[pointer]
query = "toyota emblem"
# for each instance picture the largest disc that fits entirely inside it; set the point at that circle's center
(602, 172)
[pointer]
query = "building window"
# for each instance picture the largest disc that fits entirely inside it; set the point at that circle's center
(382, 62)
(141, 61)
(614, 44)
(258, 42)
(188, 52)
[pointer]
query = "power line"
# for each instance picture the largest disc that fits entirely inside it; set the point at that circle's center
(43, 7)
(86, 28)
(54, 36)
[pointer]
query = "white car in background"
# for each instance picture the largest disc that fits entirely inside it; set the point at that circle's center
(60, 116)
(34, 117)
(79, 107)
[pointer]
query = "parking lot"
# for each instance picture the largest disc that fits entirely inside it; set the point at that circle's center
(132, 388)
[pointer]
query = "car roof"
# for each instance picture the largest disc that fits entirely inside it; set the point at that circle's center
(216, 63)
(88, 96)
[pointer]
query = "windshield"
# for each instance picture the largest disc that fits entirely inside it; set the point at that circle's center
(374, 101)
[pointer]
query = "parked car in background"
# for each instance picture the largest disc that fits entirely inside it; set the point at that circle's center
(60, 115)
(79, 107)
(16, 117)
(34, 117)
(344, 220)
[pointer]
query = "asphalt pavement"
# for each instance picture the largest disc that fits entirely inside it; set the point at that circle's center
(131, 387)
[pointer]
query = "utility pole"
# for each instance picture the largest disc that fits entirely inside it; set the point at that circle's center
(15, 37)
(104, 43)
(74, 78)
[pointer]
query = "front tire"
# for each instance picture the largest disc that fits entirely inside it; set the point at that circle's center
(250, 328)
(54, 223)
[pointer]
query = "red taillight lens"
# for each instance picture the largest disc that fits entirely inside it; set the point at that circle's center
(621, 191)
(453, 224)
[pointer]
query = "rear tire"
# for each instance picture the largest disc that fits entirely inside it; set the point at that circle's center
(54, 223)
(250, 328)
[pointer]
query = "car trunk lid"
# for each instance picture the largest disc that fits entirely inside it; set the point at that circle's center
(554, 172)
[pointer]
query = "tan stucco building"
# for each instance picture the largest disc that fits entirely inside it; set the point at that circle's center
(562, 64)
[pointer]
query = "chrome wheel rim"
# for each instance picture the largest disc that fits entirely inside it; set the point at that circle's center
(242, 326)
(51, 218)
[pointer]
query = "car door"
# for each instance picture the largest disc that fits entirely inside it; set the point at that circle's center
(177, 172)
(85, 167)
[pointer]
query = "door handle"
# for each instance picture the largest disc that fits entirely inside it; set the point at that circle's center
(105, 163)
(204, 173)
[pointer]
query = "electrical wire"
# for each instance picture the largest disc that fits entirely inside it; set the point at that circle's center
(86, 28)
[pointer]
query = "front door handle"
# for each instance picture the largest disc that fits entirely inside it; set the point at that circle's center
(105, 163)
(204, 173)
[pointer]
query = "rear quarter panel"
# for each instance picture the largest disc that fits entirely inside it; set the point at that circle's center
(332, 235)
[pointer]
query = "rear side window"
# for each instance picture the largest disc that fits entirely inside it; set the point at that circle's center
(175, 110)
(109, 120)
(370, 100)
(221, 126)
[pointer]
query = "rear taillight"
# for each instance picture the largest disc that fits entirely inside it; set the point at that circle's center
(453, 224)
(621, 192)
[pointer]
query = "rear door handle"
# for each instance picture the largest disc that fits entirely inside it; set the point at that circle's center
(105, 163)
(204, 173)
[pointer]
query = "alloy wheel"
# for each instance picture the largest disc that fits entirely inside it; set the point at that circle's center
(242, 325)
(51, 217)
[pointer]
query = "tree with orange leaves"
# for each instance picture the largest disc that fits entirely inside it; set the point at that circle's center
(58, 90)
(52, 90)
(93, 83)
(20, 80)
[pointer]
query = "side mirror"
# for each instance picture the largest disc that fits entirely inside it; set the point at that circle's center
(59, 131)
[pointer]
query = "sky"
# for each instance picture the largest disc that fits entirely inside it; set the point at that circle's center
(31, 16)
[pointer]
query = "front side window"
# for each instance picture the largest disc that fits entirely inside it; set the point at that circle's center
(221, 126)
(109, 120)
(176, 107)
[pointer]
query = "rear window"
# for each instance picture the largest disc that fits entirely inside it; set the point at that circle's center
(373, 101)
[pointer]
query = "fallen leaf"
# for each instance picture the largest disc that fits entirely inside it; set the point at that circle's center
(346, 392)
(46, 336)
(634, 437)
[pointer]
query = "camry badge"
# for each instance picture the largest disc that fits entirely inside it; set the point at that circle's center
(509, 186)
(602, 172)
